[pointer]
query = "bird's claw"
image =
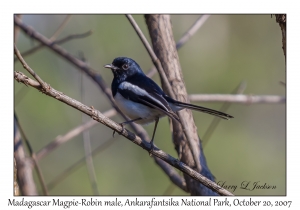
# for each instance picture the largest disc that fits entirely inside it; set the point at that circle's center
(151, 150)
(121, 124)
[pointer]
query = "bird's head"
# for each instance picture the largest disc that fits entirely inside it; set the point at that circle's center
(123, 67)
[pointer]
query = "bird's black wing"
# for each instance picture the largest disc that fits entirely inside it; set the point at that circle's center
(146, 93)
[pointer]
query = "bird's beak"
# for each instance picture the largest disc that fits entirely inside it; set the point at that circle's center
(110, 66)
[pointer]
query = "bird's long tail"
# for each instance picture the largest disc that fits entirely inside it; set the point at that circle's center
(199, 108)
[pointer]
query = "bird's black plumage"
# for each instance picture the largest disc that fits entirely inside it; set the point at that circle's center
(141, 99)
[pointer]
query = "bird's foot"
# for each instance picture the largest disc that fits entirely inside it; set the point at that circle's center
(121, 124)
(152, 148)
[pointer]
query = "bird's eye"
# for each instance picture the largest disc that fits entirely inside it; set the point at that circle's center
(125, 66)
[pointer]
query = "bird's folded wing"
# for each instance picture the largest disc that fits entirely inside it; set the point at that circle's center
(151, 99)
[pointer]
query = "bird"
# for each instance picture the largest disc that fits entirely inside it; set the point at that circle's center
(142, 100)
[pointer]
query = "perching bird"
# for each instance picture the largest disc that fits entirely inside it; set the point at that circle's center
(141, 99)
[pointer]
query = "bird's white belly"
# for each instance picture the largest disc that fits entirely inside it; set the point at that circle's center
(135, 110)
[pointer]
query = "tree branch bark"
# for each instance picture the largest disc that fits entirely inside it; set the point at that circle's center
(188, 147)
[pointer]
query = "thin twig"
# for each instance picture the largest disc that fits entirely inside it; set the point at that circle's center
(98, 116)
(73, 36)
(195, 27)
(60, 28)
(238, 98)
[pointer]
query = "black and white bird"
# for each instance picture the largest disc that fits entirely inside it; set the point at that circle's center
(141, 99)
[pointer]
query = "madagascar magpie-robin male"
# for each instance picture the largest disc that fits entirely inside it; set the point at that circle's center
(141, 99)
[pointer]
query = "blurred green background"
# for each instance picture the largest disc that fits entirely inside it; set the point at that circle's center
(226, 50)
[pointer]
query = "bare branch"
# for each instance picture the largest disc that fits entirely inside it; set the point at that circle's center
(73, 36)
(237, 98)
(61, 27)
(98, 116)
(195, 27)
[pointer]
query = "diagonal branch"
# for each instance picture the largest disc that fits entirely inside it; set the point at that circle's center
(98, 116)
(195, 27)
